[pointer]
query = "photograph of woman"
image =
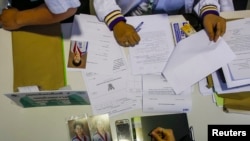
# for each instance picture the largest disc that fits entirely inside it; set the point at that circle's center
(79, 130)
(78, 54)
(100, 128)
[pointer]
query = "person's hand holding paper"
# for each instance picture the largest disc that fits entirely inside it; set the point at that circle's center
(194, 58)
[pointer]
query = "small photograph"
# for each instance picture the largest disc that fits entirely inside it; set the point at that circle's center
(79, 130)
(78, 54)
(100, 128)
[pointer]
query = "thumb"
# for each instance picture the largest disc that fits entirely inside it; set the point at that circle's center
(156, 136)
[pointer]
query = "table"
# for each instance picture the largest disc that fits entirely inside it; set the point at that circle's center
(49, 123)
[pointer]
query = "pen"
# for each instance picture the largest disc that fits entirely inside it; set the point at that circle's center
(138, 28)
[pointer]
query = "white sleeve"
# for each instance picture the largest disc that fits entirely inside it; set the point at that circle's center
(203, 3)
(226, 5)
(104, 7)
(61, 6)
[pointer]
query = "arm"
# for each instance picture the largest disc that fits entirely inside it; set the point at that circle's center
(12, 18)
(109, 12)
(208, 11)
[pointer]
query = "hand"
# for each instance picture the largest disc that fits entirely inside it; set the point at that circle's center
(215, 26)
(8, 19)
(162, 134)
(125, 34)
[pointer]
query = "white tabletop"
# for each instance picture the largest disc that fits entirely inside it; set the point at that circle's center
(49, 123)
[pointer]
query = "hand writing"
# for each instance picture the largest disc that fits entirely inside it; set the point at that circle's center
(162, 134)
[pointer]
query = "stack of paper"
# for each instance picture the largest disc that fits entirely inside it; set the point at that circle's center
(114, 82)
(235, 76)
(232, 82)
(166, 72)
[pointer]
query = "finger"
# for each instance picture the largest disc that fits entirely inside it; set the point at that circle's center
(217, 31)
(210, 34)
(169, 134)
(222, 28)
(122, 43)
(126, 44)
(158, 130)
(155, 134)
(210, 31)
(134, 39)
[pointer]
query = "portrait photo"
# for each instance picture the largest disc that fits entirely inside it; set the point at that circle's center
(100, 128)
(78, 54)
(79, 129)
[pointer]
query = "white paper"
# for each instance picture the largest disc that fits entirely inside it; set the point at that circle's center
(158, 96)
(194, 58)
(102, 46)
(135, 88)
(237, 36)
(155, 47)
(221, 88)
(108, 93)
(204, 90)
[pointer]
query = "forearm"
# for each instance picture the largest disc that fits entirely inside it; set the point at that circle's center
(41, 16)
(109, 12)
(105, 7)
(205, 7)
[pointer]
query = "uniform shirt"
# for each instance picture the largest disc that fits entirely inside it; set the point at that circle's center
(55, 6)
(99, 137)
(80, 47)
(61, 6)
(83, 138)
(113, 11)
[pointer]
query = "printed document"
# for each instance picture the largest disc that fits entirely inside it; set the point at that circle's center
(221, 87)
(237, 72)
(155, 47)
(103, 49)
(106, 73)
(108, 93)
(158, 96)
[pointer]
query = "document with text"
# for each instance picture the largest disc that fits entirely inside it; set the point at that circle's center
(108, 93)
(103, 49)
(220, 87)
(237, 72)
(155, 47)
(158, 96)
